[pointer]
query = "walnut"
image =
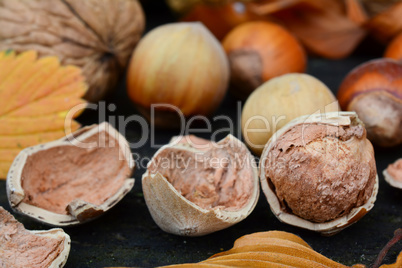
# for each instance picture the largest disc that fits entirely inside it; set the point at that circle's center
(96, 35)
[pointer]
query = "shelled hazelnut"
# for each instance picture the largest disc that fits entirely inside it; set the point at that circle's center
(318, 172)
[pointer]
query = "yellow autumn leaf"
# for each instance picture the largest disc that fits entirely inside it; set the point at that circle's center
(272, 249)
(35, 98)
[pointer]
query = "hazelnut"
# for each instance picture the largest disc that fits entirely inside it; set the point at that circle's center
(278, 101)
(71, 180)
(259, 51)
(194, 187)
(393, 174)
(22, 248)
(318, 172)
(181, 66)
(374, 92)
(394, 48)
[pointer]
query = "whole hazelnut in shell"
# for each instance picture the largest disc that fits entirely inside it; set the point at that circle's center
(259, 51)
(374, 91)
(278, 101)
(318, 172)
(177, 70)
(95, 35)
(194, 187)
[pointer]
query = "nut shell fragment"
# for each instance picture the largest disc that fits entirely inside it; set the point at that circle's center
(318, 172)
(197, 187)
(71, 180)
(393, 174)
(36, 249)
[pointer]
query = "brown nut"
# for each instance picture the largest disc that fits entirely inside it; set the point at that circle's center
(259, 51)
(178, 69)
(278, 101)
(374, 90)
(71, 180)
(318, 172)
(393, 174)
(394, 48)
(194, 187)
(36, 249)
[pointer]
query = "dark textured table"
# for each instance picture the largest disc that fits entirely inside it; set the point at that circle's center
(127, 235)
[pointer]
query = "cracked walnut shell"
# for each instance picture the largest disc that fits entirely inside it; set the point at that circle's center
(71, 180)
(96, 35)
(318, 172)
(194, 187)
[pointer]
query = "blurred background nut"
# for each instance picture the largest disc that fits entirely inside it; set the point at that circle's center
(259, 51)
(394, 49)
(374, 90)
(278, 101)
(96, 35)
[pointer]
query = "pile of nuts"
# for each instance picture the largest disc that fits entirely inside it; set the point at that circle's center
(317, 167)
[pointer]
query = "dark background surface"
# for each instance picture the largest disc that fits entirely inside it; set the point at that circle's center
(127, 235)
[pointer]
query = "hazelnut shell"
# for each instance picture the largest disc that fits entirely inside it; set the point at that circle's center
(391, 173)
(326, 228)
(77, 210)
(20, 233)
(176, 214)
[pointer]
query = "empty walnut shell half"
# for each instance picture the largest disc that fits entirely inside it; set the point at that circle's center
(71, 180)
(393, 174)
(36, 249)
(194, 187)
(318, 172)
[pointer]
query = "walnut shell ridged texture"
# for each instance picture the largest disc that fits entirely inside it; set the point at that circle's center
(318, 172)
(96, 35)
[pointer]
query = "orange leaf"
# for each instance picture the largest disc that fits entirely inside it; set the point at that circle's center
(356, 12)
(267, 249)
(321, 25)
(35, 98)
(385, 25)
(397, 264)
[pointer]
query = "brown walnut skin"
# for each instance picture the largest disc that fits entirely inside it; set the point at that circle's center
(321, 172)
(374, 91)
(96, 35)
